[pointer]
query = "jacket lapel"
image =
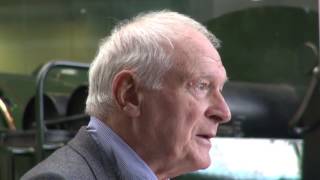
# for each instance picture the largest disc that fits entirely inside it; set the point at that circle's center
(86, 146)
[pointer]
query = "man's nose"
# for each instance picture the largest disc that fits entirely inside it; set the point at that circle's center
(218, 110)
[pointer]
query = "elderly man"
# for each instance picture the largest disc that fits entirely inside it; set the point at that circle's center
(155, 104)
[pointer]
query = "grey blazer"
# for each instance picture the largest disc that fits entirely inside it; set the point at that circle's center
(80, 159)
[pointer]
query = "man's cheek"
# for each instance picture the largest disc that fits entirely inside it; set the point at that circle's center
(193, 112)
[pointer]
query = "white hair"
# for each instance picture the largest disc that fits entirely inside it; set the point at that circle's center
(143, 44)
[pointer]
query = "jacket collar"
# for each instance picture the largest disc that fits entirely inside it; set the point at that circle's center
(85, 145)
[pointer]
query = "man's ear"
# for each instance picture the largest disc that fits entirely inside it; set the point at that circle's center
(125, 93)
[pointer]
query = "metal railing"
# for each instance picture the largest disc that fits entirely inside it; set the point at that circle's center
(39, 100)
(8, 117)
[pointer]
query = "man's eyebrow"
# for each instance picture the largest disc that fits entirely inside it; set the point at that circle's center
(212, 76)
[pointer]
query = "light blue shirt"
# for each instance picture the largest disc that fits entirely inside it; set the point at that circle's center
(130, 165)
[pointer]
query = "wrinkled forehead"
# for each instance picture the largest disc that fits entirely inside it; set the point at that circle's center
(195, 54)
(190, 42)
(194, 40)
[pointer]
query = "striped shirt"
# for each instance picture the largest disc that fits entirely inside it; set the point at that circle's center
(130, 165)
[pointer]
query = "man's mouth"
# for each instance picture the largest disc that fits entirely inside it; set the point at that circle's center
(205, 139)
(206, 136)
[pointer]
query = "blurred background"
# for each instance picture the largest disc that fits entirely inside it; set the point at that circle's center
(269, 48)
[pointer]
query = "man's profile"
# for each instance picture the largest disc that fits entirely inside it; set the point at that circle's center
(155, 104)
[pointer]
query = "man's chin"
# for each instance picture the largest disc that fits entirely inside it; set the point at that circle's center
(195, 164)
(206, 164)
(203, 162)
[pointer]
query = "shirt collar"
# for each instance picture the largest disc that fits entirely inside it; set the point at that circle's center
(130, 165)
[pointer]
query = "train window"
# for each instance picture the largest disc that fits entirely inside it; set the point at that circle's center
(250, 158)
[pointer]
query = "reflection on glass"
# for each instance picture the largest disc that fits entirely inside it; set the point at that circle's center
(254, 159)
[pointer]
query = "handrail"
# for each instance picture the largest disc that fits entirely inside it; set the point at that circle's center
(39, 100)
(296, 120)
(9, 118)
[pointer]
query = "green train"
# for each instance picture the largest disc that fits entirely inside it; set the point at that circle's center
(269, 48)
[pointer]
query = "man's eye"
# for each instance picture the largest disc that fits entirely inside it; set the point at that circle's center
(200, 88)
(203, 85)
